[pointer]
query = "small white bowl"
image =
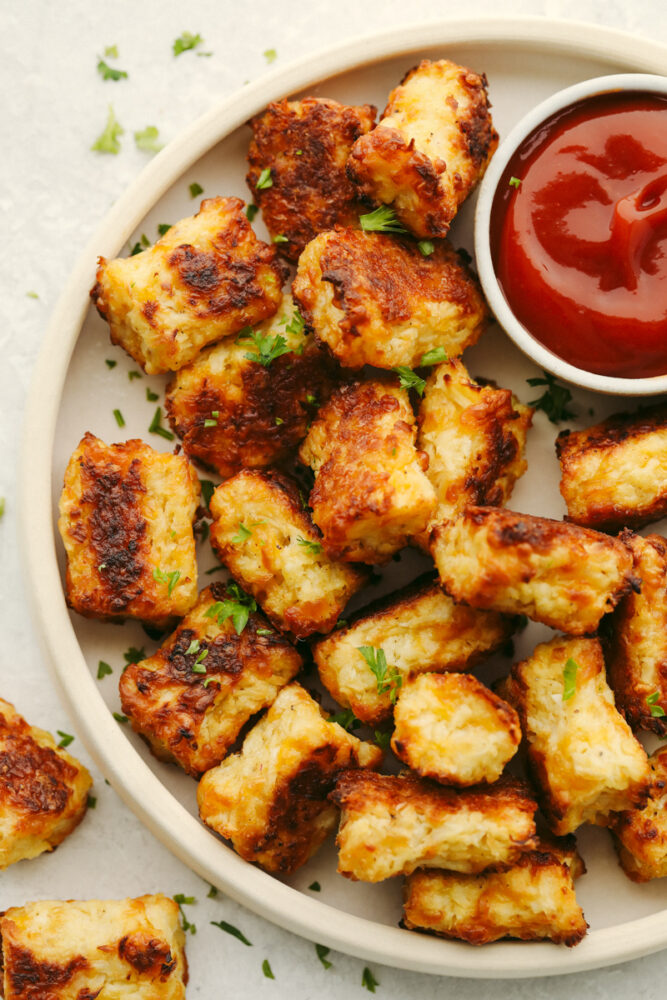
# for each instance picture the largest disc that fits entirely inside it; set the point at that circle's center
(541, 355)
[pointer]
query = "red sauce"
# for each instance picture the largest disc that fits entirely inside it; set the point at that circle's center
(580, 246)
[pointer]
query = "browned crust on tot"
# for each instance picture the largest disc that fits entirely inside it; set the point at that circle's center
(305, 145)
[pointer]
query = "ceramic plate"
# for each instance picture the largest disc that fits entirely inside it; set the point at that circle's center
(74, 391)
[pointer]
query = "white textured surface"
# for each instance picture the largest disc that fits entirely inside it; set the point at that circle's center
(53, 193)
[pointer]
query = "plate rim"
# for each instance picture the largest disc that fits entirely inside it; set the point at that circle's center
(149, 799)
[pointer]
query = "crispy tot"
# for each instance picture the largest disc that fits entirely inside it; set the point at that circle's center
(371, 494)
(377, 300)
(270, 799)
(191, 699)
(43, 789)
(614, 474)
(265, 537)
(583, 757)
(73, 950)
(640, 834)
(420, 628)
(304, 146)
(532, 900)
(126, 516)
(452, 728)
(233, 411)
(205, 279)
(475, 438)
(432, 145)
(556, 573)
(391, 825)
(637, 657)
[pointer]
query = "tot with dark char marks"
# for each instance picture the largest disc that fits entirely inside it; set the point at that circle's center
(420, 628)
(205, 279)
(532, 900)
(232, 412)
(266, 538)
(192, 698)
(376, 299)
(270, 799)
(614, 474)
(43, 789)
(559, 574)
(305, 145)
(80, 950)
(391, 825)
(583, 757)
(126, 516)
(640, 835)
(475, 439)
(432, 145)
(637, 648)
(371, 493)
(452, 728)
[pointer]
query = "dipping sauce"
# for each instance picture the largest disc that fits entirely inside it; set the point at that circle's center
(580, 244)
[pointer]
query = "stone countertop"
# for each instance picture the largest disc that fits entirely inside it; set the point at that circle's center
(53, 194)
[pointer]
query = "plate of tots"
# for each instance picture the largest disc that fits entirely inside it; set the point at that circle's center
(376, 608)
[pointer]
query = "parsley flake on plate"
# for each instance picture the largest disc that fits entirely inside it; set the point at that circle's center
(120, 419)
(107, 141)
(266, 969)
(103, 669)
(146, 139)
(156, 427)
(346, 719)
(195, 190)
(554, 400)
(182, 901)
(368, 980)
(65, 738)
(230, 929)
(109, 73)
(322, 951)
(270, 55)
(251, 211)
(185, 42)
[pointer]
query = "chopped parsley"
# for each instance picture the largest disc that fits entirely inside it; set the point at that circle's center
(514, 182)
(382, 739)
(315, 887)
(264, 631)
(554, 400)
(434, 357)
(270, 55)
(195, 190)
(65, 738)
(91, 801)
(368, 980)
(109, 73)
(214, 569)
(133, 374)
(346, 719)
(321, 951)
(151, 396)
(134, 655)
(212, 421)
(193, 647)
(32, 295)
(657, 711)
(156, 427)
(382, 220)
(266, 969)
(120, 718)
(570, 679)
(207, 490)
(107, 141)
(212, 892)
(265, 180)
(185, 901)
(296, 324)
(279, 421)
(314, 547)
(185, 42)
(170, 578)
(111, 52)
(279, 238)
(109, 363)
(426, 247)
(242, 535)
(387, 678)
(2, 506)
(103, 669)
(238, 607)
(163, 228)
(268, 348)
(409, 379)
(146, 139)
(230, 929)
(120, 419)
(251, 211)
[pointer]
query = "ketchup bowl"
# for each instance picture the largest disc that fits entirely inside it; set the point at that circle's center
(571, 234)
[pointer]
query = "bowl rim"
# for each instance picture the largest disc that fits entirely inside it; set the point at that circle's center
(150, 800)
(500, 307)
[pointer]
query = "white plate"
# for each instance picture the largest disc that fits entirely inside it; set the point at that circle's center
(73, 391)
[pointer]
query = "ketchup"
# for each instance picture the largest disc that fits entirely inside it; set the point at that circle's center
(580, 244)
